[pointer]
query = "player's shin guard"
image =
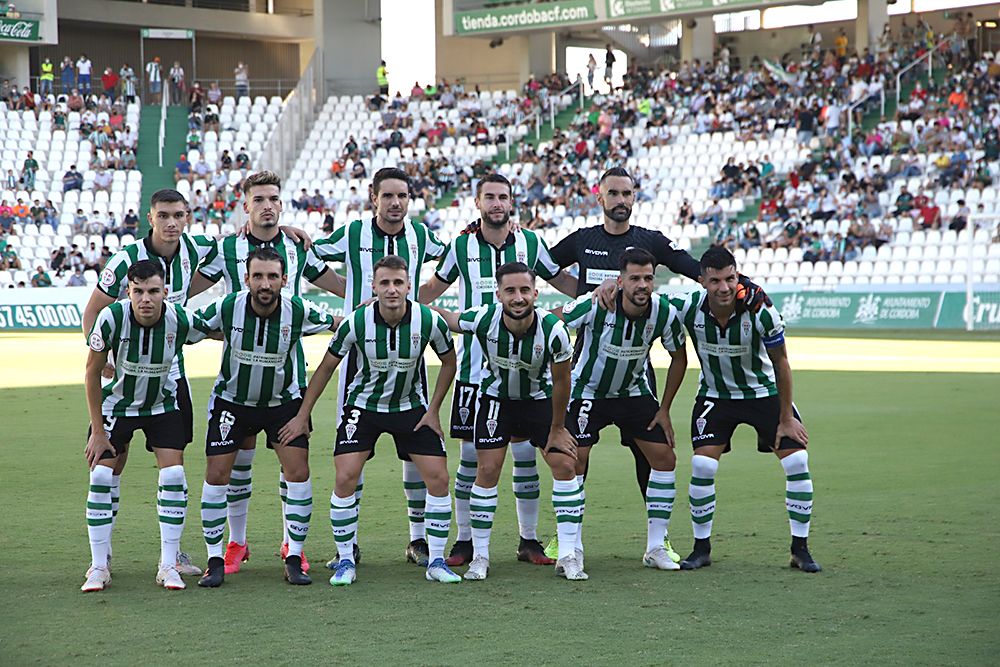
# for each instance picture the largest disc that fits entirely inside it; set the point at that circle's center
(298, 513)
(438, 520)
(701, 495)
(525, 483)
(416, 494)
(660, 494)
(568, 504)
(583, 508)
(344, 521)
(213, 517)
(238, 495)
(171, 506)
(465, 477)
(798, 492)
(99, 515)
(482, 507)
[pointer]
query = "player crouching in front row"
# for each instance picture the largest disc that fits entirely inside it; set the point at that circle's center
(389, 337)
(745, 379)
(145, 335)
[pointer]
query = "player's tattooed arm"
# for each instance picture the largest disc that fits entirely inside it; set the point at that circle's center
(299, 424)
(675, 377)
(98, 442)
(788, 426)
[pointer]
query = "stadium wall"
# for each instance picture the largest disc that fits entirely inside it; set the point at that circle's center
(472, 59)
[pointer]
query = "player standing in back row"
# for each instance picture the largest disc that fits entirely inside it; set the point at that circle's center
(359, 245)
(473, 259)
(745, 379)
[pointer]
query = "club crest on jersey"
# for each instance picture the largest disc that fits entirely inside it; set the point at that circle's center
(538, 350)
(186, 265)
(226, 421)
(96, 342)
(522, 256)
(648, 331)
(463, 414)
(350, 430)
(582, 422)
(746, 328)
(491, 426)
(286, 332)
(415, 340)
(700, 423)
(107, 278)
(171, 338)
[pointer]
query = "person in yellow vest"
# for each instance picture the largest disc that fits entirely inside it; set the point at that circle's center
(48, 75)
(382, 76)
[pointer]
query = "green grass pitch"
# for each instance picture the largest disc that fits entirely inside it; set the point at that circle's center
(905, 525)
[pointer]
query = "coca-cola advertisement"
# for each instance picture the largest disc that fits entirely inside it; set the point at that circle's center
(21, 30)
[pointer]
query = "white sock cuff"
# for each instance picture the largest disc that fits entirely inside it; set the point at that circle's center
(213, 492)
(438, 502)
(300, 490)
(468, 451)
(341, 503)
(565, 485)
(797, 463)
(172, 475)
(522, 450)
(662, 476)
(703, 466)
(244, 457)
(410, 472)
(101, 476)
(116, 480)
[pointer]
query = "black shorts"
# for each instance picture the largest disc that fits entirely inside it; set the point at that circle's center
(499, 420)
(164, 431)
(587, 417)
(714, 420)
(187, 410)
(464, 400)
(359, 429)
(229, 424)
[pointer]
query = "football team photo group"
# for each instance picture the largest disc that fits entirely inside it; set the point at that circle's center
(543, 384)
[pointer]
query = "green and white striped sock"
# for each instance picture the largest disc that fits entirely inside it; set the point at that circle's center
(238, 495)
(583, 509)
(416, 494)
(213, 516)
(701, 495)
(344, 521)
(438, 520)
(798, 492)
(116, 489)
(298, 513)
(525, 483)
(99, 515)
(568, 504)
(283, 494)
(358, 492)
(465, 477)
(171, 506)
(660, 494)
(482, 507)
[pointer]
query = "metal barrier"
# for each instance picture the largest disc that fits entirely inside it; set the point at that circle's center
(929, 57)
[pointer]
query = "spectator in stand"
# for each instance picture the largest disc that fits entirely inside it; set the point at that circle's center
(609, 62)
(242, 76)
(51, 214)
(214, 93)
(37, 213)
(92, 257)
(6, 217)
(77, 279)
(302, 203)
(28, 171)
(22, 212)
(751, 236)
(961, 218)
(102, 180)
(904, 202)
(79, 222)
(127, 160)
(154, 79)
(84, 69)
(197, 98)
(10, 181)
(685, 216)
(46, 77)
(75, 102)
(109, 82)
(41, 278)
(713, 215)
(67, 75)
(176, 77)
(130, 223)
(72, 179)
(128, 82)
(182, 170)
(243, 160)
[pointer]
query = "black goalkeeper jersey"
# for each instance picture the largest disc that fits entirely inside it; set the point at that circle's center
(598, 253)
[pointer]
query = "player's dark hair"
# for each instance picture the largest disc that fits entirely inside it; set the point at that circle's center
(393, 262)
(617, 171)
(494, 178)
(389, 174)
(167, 196)
(510, 268)
(265, 254)
(261, 178)
(717, 258)
(145, 269)
(637, 256)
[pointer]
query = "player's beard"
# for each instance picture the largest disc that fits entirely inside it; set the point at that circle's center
(620, 213)
(514, 316)
(639, 294)
(263, 298)
(488, 221)
(392, 217)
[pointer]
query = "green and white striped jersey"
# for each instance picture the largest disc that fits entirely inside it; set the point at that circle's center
(228, 260)
(389, 358)
(143, 385)
(517, 368)
(179, 269)
(734, 360)
(475, 261)
(361, 243)
(615, 348)
(263, 364)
